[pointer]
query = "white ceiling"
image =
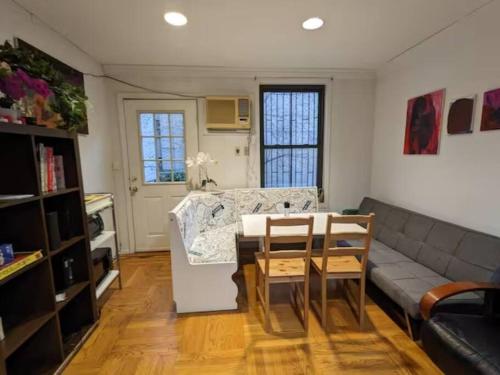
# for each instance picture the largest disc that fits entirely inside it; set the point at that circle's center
(358, 34)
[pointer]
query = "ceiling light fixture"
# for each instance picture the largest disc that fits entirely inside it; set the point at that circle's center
(312, 23)
(175, 18)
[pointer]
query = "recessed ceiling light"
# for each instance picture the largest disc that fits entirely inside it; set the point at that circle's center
(175, 18)
(312, 23)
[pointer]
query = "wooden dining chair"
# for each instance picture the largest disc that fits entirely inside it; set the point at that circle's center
(344, 263)
(285, 266)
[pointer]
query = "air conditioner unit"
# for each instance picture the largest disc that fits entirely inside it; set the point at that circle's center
(228, 112)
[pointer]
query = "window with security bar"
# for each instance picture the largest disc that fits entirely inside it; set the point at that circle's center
(291, 119)
(162, 147)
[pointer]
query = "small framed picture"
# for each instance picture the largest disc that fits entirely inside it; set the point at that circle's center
(461, 115)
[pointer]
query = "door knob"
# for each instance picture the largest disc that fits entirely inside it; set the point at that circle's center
(133, 189)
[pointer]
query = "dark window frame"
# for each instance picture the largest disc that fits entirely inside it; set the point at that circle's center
(320, 89)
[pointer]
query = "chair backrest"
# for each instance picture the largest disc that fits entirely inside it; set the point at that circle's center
(286, 238)
(345, 228)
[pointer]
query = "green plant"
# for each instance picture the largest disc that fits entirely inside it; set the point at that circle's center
(69, 100)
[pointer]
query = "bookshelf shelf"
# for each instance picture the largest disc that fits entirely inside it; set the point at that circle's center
(23, 270)
(71, 293)
(60, 192)
(16, 202)
(19, 334)
(41, 334)
(66, 244)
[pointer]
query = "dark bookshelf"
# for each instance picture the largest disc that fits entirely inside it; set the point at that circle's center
(41, 335)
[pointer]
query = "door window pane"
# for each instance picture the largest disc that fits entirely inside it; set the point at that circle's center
(148, 148)
(162, 126)
(163, 147)
(150, 172)
(146, 123)
(177, 124)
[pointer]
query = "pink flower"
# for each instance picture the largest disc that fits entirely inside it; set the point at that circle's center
(24, 77)
(12, 87)
(41, 87)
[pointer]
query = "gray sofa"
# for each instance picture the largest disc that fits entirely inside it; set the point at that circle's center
(412, 253)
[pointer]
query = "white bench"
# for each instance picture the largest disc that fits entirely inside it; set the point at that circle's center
(203, 229)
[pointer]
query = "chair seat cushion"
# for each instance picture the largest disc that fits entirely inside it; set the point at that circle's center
(214, 246)
(283, 267)
(463, 344)
(339, 264)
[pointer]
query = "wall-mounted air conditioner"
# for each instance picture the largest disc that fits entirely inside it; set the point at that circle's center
(228, 112)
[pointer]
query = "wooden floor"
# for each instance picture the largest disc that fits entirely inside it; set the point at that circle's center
(140, 334)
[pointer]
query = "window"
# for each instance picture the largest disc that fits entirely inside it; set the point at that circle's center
(291, 135)
(162, 147)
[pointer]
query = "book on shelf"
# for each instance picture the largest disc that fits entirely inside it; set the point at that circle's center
(59, 170)
(43, 167)
(20, 261)
(51, 169)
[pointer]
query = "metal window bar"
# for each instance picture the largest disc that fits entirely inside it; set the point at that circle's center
(291, 136)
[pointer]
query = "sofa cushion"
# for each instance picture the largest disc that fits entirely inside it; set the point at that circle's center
(382, 254)
(366, 206)
(407, 282)
(408, 246)
(418, 227)
(433, 258)
(477, 256)
(215, 246)
(445, 237)
(458, 270)
(381, 211)
(480, 249)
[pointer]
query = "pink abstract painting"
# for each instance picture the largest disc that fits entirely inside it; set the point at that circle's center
(423, 123)
(490, 119)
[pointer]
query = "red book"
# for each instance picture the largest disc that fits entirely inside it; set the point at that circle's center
(50, 168)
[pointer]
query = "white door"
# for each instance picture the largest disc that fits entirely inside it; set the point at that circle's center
(160, 133)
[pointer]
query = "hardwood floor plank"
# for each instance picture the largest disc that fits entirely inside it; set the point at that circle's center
(139, 333)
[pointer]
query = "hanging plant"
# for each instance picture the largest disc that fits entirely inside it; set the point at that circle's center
(69, 101)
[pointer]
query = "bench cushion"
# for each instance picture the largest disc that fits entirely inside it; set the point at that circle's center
(215, 246)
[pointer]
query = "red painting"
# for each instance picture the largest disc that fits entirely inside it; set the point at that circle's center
(490, 119)
(423, 123)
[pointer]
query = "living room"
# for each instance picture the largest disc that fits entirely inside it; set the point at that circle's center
(186, 183)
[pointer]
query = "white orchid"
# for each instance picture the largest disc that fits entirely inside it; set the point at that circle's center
(202, 159)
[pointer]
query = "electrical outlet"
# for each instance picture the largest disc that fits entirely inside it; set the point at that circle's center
(237, 151)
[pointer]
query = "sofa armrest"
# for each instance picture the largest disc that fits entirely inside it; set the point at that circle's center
(439, 293)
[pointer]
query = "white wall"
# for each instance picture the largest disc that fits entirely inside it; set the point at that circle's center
(94, 148)
(351, 142)
(462, 183)
(348, 123)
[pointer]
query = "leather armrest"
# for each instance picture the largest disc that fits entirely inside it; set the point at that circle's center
(439, 293)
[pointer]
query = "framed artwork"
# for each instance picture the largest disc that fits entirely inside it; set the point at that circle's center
(70, 76)
(461, 115)
(423, 124)
(490, 119)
